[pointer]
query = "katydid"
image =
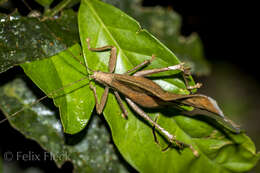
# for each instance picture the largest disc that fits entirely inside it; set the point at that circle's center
(140, 91)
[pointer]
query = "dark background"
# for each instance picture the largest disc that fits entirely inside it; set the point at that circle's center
(227, 29)
(228, 33)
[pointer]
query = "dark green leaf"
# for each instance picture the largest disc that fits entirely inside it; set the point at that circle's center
(89, 151)
(220, 151)
(165, 24)
(25, 39)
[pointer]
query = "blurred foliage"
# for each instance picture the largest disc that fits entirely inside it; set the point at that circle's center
(14, 167)
(59, 7)
(44, 2)
(3, 1)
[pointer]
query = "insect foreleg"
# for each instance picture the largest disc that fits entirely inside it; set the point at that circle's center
(113, 57)
(100, 106)
(112, 63)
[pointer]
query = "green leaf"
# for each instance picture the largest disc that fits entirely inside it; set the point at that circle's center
(165, 24)
(45, 3)
(89, 151)
(25, 39)
(219, 150)
(75, 102)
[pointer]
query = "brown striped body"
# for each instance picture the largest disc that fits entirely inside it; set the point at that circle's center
(148, 94)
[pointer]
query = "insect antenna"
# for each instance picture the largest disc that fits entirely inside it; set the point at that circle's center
(55, 91)
(27, 5)
(40, 99)
(83, 64)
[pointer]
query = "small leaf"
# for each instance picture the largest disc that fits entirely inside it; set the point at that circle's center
(25, 39)
(89, 151)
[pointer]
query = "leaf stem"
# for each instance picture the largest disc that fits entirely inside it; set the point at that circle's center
(56, 9)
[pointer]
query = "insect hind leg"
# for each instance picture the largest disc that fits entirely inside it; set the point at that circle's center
(146, 62)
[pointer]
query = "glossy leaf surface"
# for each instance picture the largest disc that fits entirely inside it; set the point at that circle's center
(25, 39)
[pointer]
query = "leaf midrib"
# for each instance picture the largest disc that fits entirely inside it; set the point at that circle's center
(105, 28)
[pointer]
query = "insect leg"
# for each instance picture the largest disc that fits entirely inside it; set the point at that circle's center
(120, 102)
(180, 67)
(112, 65)
(196, 86)
(155, 136)
(154, 132)
(113, 57)
(100, 106)
(141, 65)
(158, 70)
(165, 133)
